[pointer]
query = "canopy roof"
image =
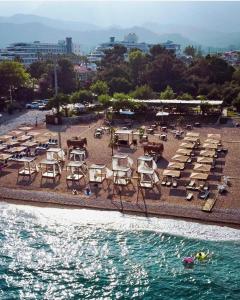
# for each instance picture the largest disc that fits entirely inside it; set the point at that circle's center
(180, 158)
(162, 114)
(194, 134)
(199, 176)
(185, 102)
(202, 168)
(124, 131)
(172, 173)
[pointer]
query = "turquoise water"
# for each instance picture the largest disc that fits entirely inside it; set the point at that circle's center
(48, 253)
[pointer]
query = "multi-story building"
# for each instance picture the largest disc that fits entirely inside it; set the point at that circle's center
(130, 42)
(31, 52)
(232, 57)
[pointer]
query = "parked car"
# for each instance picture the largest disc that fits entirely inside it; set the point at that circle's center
(33, 105)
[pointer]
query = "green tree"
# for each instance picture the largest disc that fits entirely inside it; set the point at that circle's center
(37, 69)
(12, 76)
(185, 96)
(190, 51)
(167, 94)
(137, 63)
(99, 87)
(236, 76)
(105, 100)
(143, 92)
(81, 96)
(120, 85)
(236, 102)
(66, 76)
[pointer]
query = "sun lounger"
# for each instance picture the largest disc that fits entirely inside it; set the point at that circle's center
(164, 181)
(208, 205)
(204, 194)
(189, 196)
(175, 183)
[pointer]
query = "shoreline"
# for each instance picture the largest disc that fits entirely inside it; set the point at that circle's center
(164, 210)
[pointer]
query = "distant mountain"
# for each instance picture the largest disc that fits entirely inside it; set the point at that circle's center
(29, 28)
(205, 37)
(60, 24)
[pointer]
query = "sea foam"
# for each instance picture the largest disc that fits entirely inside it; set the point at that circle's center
(119, 221)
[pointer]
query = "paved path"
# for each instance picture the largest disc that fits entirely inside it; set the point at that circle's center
(27, 117)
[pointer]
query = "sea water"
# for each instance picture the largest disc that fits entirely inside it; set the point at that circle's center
(53, 253)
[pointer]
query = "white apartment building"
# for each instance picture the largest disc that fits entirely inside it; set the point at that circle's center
(31, 52)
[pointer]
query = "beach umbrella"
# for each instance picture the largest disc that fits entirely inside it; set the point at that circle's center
(192, 139)
(193, 134)
(187, 145)
(212, 141)
(214, 136)
(180, 158)
(204, 160)
(199, 176)
(184, 151)
(172, 173)
(202, 168)
(207, 153)
(210, 146)
(176, 165)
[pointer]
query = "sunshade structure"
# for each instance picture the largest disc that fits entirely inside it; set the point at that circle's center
(56, 154)
(3, 147)
(162, 114)
(204, 160)
(199, 176)
(76, 171)
(207, 153)
(16, 150)
(25, 128)
(15, 133)
(183, 151)
(193, 134)
(187, 145)
(176, 166)
(5, 137)
(77, 155)
(145, 163)
(50, 169)
(98, 173)
(4, 157)
(30, 144)
(122, 170)
(214, 136)
(210, 146)
(33, 133)
(50, 134)
(191, 139)
(124, 137)
(171, 173)
(211, 141)
(202, 168)
(28, 169)
(180, 158)
(24, 138)
(12, 143)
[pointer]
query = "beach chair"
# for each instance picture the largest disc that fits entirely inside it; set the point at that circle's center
(169, 181)
(164, 180)
(208, 205)
(191, 185)
(189, 196)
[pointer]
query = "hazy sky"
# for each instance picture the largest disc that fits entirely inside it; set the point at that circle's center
(222, 16)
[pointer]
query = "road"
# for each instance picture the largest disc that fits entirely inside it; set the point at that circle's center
(26, 117)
